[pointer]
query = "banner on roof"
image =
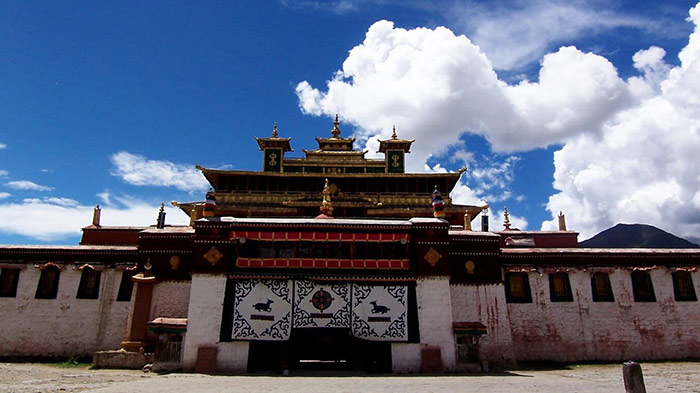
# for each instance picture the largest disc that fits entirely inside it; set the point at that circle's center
(321, 305)
(262, 310)
(379, 313)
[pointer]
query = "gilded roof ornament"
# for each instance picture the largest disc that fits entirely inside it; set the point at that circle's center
(506, 220)
(336, 131)
(274, 130)
(326, 206)
(393, 135)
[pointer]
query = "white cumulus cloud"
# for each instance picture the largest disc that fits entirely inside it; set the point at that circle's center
(52, 219)
(537, 25)
(4, 195)
(435, 85)
(629, 146)
(27, 185)
(140, 171)
(644, 166)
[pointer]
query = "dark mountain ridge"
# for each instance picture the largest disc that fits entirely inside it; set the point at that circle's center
(636, 235)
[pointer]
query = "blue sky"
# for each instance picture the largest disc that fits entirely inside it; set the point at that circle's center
(115, 103)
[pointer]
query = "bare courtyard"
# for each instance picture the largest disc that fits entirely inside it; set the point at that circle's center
(659, 377)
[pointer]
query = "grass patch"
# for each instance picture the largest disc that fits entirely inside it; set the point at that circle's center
(73, 362)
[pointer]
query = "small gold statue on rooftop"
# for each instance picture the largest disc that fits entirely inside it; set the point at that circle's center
(326, 206)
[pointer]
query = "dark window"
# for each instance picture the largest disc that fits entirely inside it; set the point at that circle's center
(601, 289)
(683, 287)
(642, 287)
(467, 348)
(8, 282)
(126, 286)
(560, 288)
(89, 287)
(48, 283)
(305, 250)
(518, 288)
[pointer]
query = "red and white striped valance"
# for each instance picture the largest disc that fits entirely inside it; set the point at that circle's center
(323, 263)
(320, 236)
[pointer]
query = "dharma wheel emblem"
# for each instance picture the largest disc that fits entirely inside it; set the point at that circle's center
(321, 300)
(213, 255)
(432, 256)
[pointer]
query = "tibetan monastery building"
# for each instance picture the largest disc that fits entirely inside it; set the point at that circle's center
(334, 260)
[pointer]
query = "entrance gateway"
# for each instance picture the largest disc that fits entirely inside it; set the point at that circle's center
(305, 323)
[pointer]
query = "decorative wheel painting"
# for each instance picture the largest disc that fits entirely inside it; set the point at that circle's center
(321, 300)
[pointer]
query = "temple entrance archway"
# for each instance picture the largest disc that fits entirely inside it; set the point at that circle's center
(320, 349)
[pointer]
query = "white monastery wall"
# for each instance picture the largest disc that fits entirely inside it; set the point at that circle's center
(64, 326)
(405, 358)
(486, 304)
(435, 318)
(170, 299)
(204, 319)
(614, 331)
(112, 328)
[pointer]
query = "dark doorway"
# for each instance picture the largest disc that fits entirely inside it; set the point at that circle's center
(320, 349)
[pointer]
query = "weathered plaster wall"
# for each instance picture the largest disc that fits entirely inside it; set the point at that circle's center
(170, 299)
(204, 319)
(63, 326)
(405, 358)
(619, 330)
(486, 304)
(435, 318)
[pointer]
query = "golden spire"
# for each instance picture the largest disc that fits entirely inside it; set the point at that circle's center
(274, 130)
(393, 135)
(336, 131)
(506, 221)
(326, 206)
(562, 221)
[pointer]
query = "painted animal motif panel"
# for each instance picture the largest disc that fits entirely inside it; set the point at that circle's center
(262, 310)
(379, 313)
(321, 305)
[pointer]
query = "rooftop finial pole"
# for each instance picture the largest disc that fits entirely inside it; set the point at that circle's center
(506, 216)
(393, 135)
(274, 130)
(335, 131)
(160, 223)
(562, 221)
(96, 216)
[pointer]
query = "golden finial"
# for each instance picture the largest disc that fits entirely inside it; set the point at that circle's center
(335, 131)
(506, 221)
(562, 221)
(326, 206)
(274, 130)
(393, 135)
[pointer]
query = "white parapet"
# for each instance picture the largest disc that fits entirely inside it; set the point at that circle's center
(435, 318)
(204, 315)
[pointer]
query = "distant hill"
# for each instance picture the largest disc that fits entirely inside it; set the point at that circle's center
(636, 235)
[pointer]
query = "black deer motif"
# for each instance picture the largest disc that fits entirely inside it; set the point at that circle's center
(376, 309)
(263, 306)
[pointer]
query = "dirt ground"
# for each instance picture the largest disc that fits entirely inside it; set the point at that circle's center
(659, 377)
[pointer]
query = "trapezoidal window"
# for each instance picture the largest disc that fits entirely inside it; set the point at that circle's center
(89, 287)
(48, 283)
(642, 286)
(560, 288)
(126, 286)
(683, 288)
(601, 288)
(8, 282)
(517, 288)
